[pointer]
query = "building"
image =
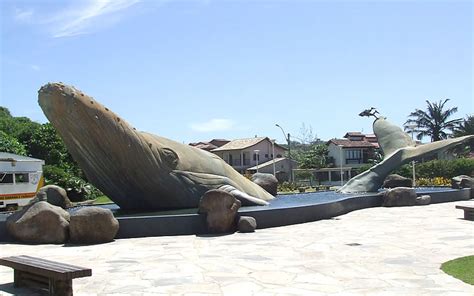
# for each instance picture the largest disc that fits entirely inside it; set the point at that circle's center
(346, 155)
(243, 154)
(355, 150)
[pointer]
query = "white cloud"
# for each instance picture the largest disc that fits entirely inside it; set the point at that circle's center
(23, 15)
(35, 67)
(89, 17)
(213, 125)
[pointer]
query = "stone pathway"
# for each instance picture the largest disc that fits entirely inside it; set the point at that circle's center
(377, 251)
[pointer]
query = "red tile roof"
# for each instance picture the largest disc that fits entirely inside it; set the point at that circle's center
(345, 143)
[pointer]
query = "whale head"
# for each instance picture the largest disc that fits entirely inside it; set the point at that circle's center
(114, 156)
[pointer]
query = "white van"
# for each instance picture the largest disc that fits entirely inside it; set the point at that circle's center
(20, 178)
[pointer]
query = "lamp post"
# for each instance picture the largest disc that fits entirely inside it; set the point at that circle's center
(340, 159)
(412, 128)
(256, 157)
(273, 156)
(287, 138)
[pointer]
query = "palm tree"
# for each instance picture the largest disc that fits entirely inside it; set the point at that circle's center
(433, 122)
(465, 128)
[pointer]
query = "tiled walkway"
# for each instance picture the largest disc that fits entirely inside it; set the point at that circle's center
(377, 251)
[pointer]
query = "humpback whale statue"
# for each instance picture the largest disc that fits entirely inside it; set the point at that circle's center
(137, 170)
(398, 148)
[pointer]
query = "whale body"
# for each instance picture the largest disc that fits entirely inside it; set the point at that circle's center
(138, 170)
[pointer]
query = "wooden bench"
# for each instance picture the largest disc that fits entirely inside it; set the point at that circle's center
(44, 274)
(468, 212)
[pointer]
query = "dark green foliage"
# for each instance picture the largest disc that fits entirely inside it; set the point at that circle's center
(433, 122)
(76, 188)
(46, 144)
(439, 168)
(11, 145)
(465, 128)
(22, 136)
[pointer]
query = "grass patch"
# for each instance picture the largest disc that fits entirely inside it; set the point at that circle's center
(102, 200)
(460, 268)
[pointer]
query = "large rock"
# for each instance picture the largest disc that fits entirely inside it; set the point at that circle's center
(247, 224)
(92, 225)
(221, 209)
(462, 181)
(39, 223)
(267, 182)
(54, 195)
(394, 180)
(400, 196)
(423, 200)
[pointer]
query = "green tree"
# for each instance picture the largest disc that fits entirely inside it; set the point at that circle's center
(433, 122)
(11, 144)
(465, 127)
(314, 157)
(46, 144)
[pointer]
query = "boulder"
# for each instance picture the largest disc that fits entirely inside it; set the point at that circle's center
(267, 182)
(39, 223)
(394, 180)
(221, 209)
(92, 225)
(462, 181)
(54, 195)
(247, 224)
(423, 200)
(400, 196)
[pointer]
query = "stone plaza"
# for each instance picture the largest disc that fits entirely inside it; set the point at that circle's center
(375, 251)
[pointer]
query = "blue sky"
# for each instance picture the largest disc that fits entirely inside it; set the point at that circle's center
(197, 70)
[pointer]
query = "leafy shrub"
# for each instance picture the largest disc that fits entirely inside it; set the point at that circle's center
(437, 181)
(446, 169)
(77, 189)
(287, 187)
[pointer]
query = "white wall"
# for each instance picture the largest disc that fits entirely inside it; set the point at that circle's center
(335, 152)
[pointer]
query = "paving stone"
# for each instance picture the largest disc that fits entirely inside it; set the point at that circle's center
(376, 251)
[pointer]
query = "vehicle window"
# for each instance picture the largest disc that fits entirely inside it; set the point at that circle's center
(6, 178)
(21, 178)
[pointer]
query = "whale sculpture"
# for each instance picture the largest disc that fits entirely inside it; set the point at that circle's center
(138, 170)
(398, 149)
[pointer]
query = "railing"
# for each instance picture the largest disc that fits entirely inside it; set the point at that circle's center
(354, 160)
(236, 162)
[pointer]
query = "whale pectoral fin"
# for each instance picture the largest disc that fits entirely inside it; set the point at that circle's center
(210, 181)
(169, 157)
(245, 199)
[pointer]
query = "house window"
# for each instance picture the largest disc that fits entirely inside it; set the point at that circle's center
(353, 156)
(256, 156)
(266, 155)
(6, 178)
(22, 178)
